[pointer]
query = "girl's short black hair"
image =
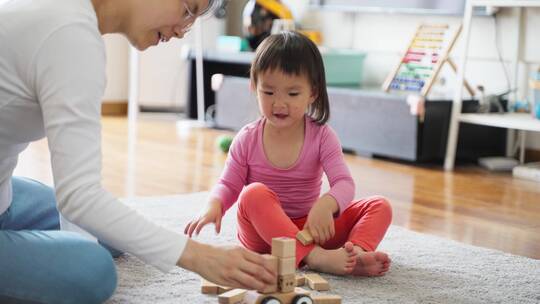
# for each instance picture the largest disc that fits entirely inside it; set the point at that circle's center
(294, 54)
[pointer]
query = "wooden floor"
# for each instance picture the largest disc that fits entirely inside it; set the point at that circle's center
(469, 205)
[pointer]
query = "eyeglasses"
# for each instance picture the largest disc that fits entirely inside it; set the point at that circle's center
(188, 19)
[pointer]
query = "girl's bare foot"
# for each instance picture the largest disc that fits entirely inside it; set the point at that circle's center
(336, 261)
(370, 263)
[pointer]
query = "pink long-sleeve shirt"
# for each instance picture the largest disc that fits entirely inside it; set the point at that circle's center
(298, 187)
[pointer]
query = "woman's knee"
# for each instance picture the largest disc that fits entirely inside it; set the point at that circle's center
(34, 188)
(58, 267)
(96, 277)
(33, 206)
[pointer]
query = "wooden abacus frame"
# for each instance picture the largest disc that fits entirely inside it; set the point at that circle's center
(443, 57)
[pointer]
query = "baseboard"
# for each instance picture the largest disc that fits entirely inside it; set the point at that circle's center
(114, 108)
(532, 155)
(162, 109)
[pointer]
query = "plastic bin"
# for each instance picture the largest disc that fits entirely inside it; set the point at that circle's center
(535, 86)
(343, 67)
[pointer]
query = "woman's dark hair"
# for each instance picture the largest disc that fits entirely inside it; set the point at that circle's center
(294, 54)
(213, 5)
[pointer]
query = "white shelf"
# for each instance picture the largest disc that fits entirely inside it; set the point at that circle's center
(506, 3)
(517, 121)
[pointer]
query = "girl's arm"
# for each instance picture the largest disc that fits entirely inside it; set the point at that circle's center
(226, 191)
(212, 214)
(320, 221)
(234, 175)
(342, 186)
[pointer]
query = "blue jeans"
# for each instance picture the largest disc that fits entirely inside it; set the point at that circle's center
(41, 264)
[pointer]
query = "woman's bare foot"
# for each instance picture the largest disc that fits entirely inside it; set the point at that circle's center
(336, 261)
(370, 263)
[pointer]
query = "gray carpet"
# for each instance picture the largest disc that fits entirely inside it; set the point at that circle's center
(425, 269)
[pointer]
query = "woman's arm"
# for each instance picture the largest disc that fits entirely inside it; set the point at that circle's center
(228, 265)
(68, 78)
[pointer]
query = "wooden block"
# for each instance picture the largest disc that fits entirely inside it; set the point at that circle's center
(222, 289)
(283, 247)
(299, 290)
(287, 282)
(316, 282)
(326, 299)
(269, 289)
(208, 287)
(288, 297)
(286, 266)
(304, 237)
(232, 296)
(300, 280)
(251, 297)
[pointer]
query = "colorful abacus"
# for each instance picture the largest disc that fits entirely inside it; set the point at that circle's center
(427, 52)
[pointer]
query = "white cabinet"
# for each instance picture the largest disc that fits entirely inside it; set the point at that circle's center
(521, 122)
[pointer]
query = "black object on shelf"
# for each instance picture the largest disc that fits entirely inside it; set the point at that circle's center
(474, 141)
(229, 64)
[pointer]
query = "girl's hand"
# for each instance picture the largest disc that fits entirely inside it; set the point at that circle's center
(231, 266)
(320, 221)
(212, 214)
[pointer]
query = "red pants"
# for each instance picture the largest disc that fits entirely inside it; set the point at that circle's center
(261, 218)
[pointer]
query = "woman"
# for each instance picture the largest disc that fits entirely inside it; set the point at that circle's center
(52, 78)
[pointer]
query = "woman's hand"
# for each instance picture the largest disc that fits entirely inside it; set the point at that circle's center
(212, 214)
(231, 266)
(320, 220)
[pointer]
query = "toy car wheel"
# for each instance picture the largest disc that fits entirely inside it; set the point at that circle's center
(270, 300)
(302, 299)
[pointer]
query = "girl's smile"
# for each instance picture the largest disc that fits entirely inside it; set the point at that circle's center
(283, 98)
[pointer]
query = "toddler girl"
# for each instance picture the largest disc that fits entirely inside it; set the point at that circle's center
(275, 165)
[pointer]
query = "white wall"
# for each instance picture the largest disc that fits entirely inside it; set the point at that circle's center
(162, 72)
(117, 68)
(385, 37)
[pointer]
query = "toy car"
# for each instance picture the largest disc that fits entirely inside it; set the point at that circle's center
(298, 296)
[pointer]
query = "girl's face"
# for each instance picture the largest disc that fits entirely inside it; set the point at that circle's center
(284, 99)
(153, 21)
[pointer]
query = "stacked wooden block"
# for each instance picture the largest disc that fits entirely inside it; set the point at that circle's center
(208, 287)
(285, 290)
(284, 253)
